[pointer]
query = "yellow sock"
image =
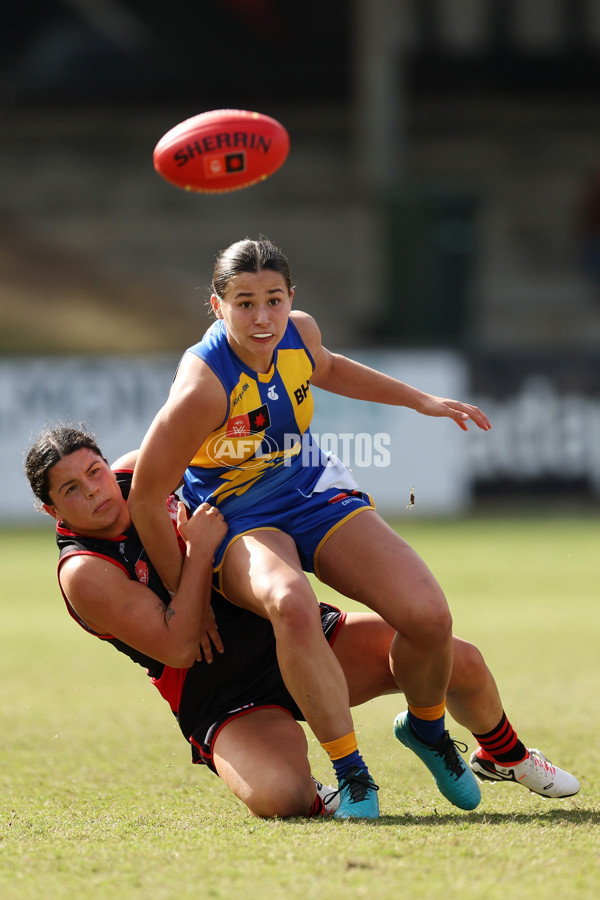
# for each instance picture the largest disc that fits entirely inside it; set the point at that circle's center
(427, 722)
(429, 713)
(341, 747)
(343, 753)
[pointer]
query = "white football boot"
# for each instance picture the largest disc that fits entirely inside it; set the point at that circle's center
(329, 795)
(534, 772)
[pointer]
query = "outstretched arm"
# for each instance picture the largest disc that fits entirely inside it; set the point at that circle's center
(348, 378)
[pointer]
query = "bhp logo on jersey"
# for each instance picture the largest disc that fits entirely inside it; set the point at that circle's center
(225, 164)
(301, 393)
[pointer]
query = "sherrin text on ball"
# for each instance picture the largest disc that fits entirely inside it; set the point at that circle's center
(221, 150)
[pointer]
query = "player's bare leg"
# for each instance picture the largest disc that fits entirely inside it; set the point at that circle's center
(365, 559)
(362, 648)
(262, 758)
(262, 572)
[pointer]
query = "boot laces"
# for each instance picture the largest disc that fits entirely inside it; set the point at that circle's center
(447, 749)
(540, 760)
(359, 784)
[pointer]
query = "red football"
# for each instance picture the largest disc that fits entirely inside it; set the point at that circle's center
(222, 150)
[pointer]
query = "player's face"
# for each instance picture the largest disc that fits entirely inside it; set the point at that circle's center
(255, 309)
(85, 495)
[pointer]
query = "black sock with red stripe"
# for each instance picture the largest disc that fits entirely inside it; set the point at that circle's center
(502, 744)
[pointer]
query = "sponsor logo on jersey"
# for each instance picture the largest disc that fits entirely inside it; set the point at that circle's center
(239, 396)
(346, 497)
(272, 393)
(142, 572)
(249, 423)
(301, 393)
(172, 506)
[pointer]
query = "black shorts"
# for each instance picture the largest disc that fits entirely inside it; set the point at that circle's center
(239, 689)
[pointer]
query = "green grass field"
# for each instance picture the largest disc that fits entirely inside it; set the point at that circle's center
(99, 799)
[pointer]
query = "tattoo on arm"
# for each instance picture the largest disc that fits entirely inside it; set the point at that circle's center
(167, 611)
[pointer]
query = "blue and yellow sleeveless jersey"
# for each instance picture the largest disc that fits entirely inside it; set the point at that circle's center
(263, 449)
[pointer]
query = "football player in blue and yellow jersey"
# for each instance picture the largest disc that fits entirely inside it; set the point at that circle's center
(236, 429)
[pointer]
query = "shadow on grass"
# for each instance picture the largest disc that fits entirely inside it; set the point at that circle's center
(567, 817)
(553, 817)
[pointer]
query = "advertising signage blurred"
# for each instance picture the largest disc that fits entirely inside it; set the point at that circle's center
(545, 413)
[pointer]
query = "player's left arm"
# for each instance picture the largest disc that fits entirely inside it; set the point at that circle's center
(344, 376)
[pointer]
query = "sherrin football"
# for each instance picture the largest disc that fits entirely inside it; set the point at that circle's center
(221, 150)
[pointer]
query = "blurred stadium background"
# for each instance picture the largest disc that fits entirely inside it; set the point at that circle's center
(440, 207)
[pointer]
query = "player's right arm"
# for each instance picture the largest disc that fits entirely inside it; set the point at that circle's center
(110, 603)
(196, 405)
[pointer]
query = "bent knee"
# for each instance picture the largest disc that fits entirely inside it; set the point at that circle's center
(295, 610)
(429, 625)
(469, 666)
(280, 803)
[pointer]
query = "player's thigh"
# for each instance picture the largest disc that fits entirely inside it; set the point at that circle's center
(260, 568)
(362, 646)
(262, 758)
(367, 560)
